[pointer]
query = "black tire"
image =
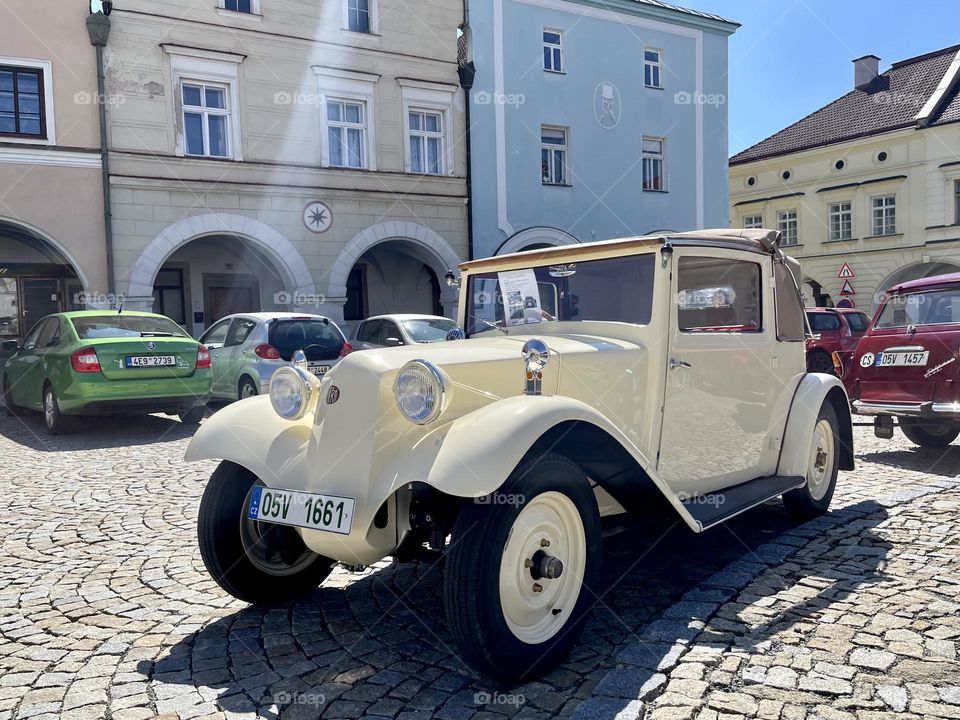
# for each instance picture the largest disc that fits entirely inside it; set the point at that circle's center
(472, 597)
(13, 410)
(193, 416)
(55, 422)
(222, 509)
(819, 361)
(932, 435)
(247, 388)
(801, 503)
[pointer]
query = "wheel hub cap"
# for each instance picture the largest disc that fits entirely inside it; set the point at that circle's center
(545, 566)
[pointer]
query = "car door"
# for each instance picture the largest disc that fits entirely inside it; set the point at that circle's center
(232, 356)
(368, 334)
(721, 388)
(20, 366)
(37, 372)
(213, 339)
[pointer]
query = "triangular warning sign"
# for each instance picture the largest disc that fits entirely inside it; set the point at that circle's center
(846, 272)
(847, 288)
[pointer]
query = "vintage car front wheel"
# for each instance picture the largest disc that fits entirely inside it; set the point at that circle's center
(258, 562)
(813, 499)
(522, 570)
(930, 434)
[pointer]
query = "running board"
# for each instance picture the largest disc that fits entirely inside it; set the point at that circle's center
(714, 508)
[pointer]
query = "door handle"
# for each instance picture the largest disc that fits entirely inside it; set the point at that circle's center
(674, 364)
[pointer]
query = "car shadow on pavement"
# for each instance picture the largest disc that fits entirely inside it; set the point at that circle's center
(377, 643)
(938, 461)
(98, 432)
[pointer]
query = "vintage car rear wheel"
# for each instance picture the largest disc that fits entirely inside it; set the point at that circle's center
(930, 434)
(257, 562)
(522, 570)
(813, 499)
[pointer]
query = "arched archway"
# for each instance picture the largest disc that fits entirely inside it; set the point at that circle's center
(536, 237)
(913, 272)
(38, 276)
(391, 258)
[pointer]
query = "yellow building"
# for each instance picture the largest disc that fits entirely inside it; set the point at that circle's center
(866, 190)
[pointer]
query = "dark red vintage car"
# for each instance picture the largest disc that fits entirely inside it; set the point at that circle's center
(907, 365)
(836, 330)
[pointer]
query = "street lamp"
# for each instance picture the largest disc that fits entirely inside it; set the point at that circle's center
(98, 28)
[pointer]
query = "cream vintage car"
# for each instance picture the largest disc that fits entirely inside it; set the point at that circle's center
(650, 374)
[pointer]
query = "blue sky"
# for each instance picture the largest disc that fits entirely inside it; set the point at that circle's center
(790, 57)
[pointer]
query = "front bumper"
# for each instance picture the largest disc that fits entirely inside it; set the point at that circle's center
(921, 410)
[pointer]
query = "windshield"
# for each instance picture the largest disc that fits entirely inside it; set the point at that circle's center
(613, 290)
(857, 321)
(937, 307)
(319, 339)
(428, 330)
(92, 327)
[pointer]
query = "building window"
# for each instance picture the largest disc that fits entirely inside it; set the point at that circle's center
(22, 102)
(358, 16)
(841, 221)
(206, 119)
(168, 295)
(553, 155)
(426, 142)
(244, 6)
(654, 177)
(788, 227)
(356, 305)
(752, 221)
(552, 50)
(652, 68)
(884, 215)
(346, 131)
(956, 202)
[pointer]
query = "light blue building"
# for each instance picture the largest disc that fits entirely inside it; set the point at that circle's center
(594, 119)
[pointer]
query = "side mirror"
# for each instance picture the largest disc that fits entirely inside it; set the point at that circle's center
(456, 333)
(11, 345)
(393, 342)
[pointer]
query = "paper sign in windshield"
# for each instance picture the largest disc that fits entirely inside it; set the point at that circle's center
(521, 297)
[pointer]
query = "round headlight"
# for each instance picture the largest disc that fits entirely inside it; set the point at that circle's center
(419, 391)
(290, 391)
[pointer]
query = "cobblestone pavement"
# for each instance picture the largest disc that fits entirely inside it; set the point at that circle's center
(106, 610)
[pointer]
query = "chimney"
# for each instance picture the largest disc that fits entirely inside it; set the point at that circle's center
(865, 71)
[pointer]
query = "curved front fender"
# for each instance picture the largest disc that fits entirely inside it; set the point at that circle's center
(813, 390)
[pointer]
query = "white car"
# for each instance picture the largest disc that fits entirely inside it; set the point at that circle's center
(247, 348)
(660, 373)
(401, 329)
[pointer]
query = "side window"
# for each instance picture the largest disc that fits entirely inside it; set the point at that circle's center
(369, 331)
(389, 330)
(50, 335)
(240, 330)
(216, 334)
(718, 295)
(30, 341)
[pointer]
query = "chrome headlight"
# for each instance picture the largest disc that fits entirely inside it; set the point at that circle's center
(419, 391)
(291, 390)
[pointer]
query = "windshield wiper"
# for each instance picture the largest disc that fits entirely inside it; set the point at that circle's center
(490, 324)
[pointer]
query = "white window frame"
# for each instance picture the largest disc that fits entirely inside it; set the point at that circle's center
(565, 149)
(420, 95)
(344, 125)
(554, 46)
(254, 9)
(373, 11)
(752, 222)
(646, 157)
(658, 65)
(206, 112)
(46, 67)
(881, 229)
(189, 65)
(783, 226)
(423, 135)
(351, 86)
(835, 212)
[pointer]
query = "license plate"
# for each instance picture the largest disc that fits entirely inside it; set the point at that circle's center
(897, 359)
(318, 370)
(306, 510)
(151, 360)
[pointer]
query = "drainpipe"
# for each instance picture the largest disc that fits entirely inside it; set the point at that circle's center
(466, 73)
(98, 27)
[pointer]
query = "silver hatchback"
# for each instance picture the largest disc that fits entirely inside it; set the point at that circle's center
(247, 348)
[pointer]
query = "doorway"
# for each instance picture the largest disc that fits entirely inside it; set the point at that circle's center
(229, 294)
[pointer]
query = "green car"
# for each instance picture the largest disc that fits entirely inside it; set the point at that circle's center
(93, 362)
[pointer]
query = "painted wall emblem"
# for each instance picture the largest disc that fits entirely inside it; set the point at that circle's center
(318, 217)
(606, 105)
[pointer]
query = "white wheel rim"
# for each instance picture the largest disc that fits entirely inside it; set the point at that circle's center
(821, 460)
(536, 616)
(48, 409)
(247, 390)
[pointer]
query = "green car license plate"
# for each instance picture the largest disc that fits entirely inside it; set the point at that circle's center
(306, 510)
(151, 360)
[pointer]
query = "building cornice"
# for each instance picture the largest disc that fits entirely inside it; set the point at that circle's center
(49, 157)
